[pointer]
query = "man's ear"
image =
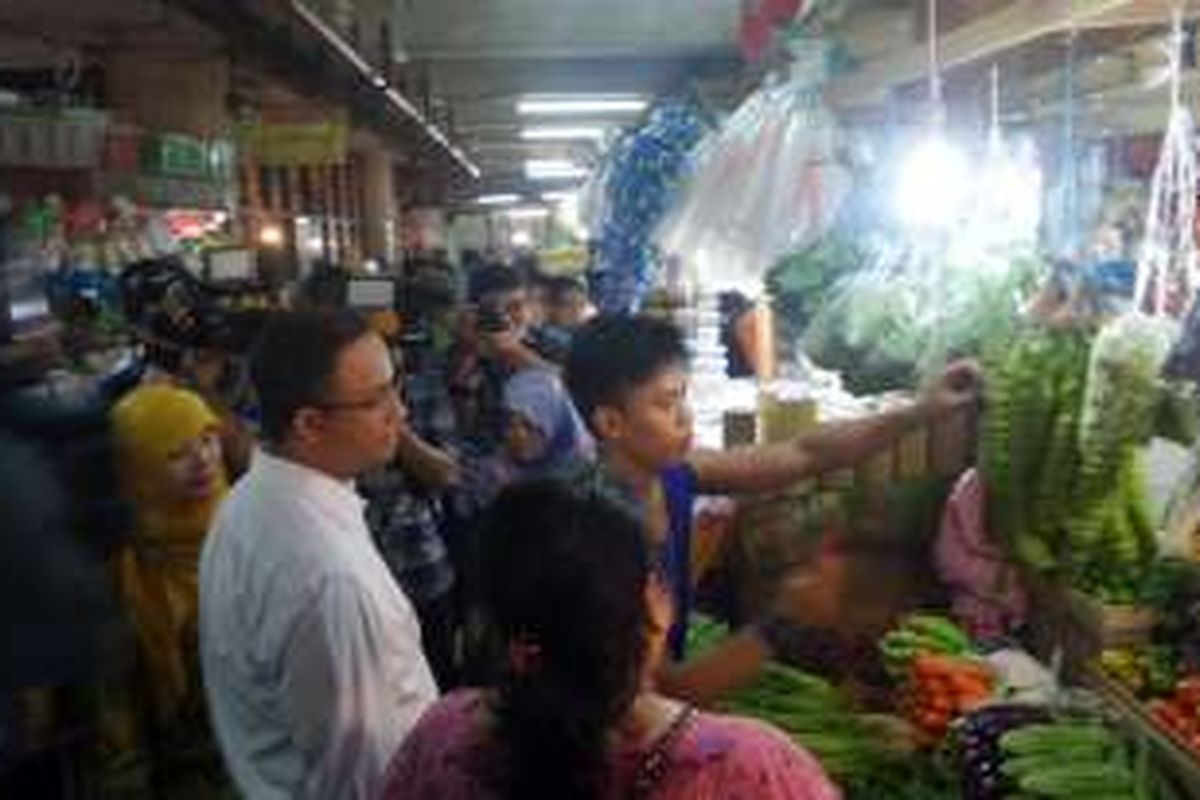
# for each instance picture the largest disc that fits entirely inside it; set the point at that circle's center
(307, 425)
(609, 423)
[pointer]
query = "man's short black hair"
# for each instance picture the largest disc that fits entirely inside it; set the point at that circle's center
(492, 279)
(613, 355)
(293, 361)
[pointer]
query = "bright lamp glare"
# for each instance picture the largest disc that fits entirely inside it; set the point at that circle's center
(521, 239)
(550, 169)
(527, 213)
(497, 199)
(934, 182)
(555, 134)
(577, 106)
(271, 236)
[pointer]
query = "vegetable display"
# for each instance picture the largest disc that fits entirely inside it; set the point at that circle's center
(940, 689)
(1111, 532)
(801, 283)
(1029, 441)
(1067, 760)
(907, 312)
(806, 707)
(1149, 671)
(976, 749)
(1179, 712)
(1061, 445)
(854, 748)
(922, 634)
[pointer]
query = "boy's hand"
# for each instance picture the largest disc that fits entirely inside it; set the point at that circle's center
(959, 386)
(507, 348)
(504, 345)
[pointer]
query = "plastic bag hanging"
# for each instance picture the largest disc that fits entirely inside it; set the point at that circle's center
(1167, 270)
(766, 184)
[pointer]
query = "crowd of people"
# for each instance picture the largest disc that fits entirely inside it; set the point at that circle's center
(443, 553)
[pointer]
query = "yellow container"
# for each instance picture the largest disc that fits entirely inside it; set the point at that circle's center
(784, 420)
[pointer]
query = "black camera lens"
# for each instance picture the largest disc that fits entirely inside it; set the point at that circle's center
(492, 320)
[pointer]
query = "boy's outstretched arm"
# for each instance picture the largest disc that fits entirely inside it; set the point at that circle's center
(729, 666)
(808, 598)
(768, 468)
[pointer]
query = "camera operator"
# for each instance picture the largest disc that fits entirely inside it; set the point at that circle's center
(496, 340)
(188, 339)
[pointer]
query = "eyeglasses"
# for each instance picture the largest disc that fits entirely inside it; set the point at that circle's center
(378, 400)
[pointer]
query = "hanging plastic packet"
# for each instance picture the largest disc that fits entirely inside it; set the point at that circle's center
(1184, 361)
(1122, 384)
(1167, 268)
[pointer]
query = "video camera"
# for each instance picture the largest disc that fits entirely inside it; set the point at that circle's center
(173, 311)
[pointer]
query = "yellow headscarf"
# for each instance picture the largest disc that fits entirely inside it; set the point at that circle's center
(158, 572)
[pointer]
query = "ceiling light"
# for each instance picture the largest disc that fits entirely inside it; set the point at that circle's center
(559, 197)
(271, 236)
(527, 213)
(565, 106)
(497, 199)
(538, 170)
(563, 134)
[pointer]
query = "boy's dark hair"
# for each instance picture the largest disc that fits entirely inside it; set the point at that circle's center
(575, 592)
(491, 279)
(293, 361)
(612, 355)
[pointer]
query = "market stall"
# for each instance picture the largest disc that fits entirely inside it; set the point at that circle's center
(1003, 604)
(1020, 589)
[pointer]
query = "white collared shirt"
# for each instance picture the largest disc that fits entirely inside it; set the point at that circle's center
(311, 653)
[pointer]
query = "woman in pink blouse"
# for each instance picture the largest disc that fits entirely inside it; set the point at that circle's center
(583, 621)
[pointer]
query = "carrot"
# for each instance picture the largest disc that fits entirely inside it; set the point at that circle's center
(928, 665)
(931, 720)
(942, 703)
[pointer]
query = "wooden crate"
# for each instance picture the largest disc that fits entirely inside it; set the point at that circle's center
(773, 535)
(1171, 753)
(1079, 627)
(893, 501)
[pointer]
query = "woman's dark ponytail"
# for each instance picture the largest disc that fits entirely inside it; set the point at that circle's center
(565, 590)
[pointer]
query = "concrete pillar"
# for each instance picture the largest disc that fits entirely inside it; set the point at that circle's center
(379, 207)
(169, 93)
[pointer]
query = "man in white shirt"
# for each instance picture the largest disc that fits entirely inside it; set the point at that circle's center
(311, 653)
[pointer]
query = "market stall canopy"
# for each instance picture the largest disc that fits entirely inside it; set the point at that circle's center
(999, 31)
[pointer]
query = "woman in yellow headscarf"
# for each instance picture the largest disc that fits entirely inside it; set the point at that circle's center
(169, 454)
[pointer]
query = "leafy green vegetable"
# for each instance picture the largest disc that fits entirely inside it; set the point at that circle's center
(907, 312)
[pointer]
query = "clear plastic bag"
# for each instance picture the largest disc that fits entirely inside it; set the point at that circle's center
(766, 184)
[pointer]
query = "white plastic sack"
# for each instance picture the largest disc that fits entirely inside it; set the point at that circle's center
(766, 183)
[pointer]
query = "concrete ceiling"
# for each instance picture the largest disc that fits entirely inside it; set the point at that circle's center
(34, 33)
(478, 57)
(448, 29)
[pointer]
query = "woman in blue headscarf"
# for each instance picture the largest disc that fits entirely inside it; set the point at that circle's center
(543, 435)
